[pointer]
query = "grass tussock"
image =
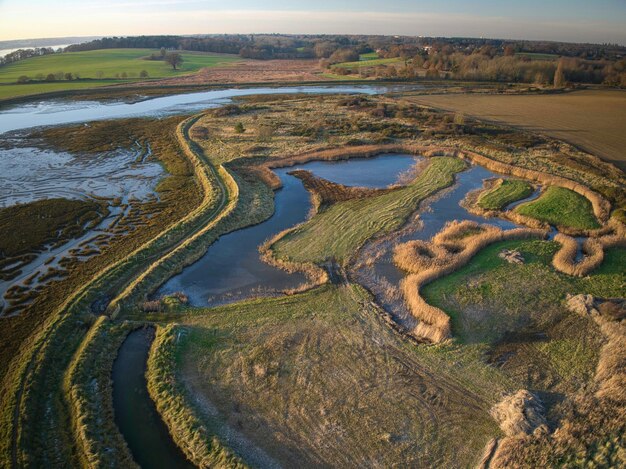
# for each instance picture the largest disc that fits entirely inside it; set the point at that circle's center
(324, 192)
(593, 250)
(450, 249)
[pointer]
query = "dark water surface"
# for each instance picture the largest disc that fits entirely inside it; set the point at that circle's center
(231, 268)
(135, 413)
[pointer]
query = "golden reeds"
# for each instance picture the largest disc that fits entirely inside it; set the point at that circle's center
(450, 249)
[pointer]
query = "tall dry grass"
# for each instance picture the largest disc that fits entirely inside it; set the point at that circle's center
(593, 249)
(601, 206)
(450, 249)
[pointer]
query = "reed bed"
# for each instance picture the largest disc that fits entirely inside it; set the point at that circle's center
(448, 250)
(601, 206)
(593, 249)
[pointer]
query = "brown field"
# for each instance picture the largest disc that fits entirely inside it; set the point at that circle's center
(593, 120)
(252, 71)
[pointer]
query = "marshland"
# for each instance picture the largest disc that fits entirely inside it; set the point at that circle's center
(342, 275)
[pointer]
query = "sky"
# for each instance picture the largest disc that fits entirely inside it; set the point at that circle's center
(596, 21)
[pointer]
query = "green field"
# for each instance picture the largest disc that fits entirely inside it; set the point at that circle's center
(369, 62)
(561, 207)
(509, 191)
(368, 56)
(337, 232)
(97, 68)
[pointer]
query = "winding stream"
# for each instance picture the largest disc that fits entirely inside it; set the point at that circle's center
(231, 268)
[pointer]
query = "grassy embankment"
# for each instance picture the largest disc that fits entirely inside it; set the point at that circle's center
(283, 372)
(531, 337)
(40, 341)
(97, 68)
(505, 192)
(561, 207)
(337, 232)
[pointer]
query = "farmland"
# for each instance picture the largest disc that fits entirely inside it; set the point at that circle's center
(593, 120)
(97, 68)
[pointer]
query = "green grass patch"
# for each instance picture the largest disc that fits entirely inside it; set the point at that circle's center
(561, 207)
(509, 191)
(97, 68)
(489, 298)
(369, 63)
(368, 56)
(339, 230)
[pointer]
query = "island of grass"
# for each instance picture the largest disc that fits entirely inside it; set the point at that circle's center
(337, 232)
(504, 192)
(561, 207)
(96, 68)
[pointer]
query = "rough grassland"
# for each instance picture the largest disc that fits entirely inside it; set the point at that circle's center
(561, 207)
(529, 335)
(593, 120)
(504, 193)
(317, 379)
(337, 232)
(110, 63)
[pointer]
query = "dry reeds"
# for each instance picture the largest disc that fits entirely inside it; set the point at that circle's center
(593, 249)
(450, 249)
(601, 207)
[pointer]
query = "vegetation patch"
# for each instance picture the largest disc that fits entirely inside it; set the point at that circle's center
(337, 232)
(26, 228)
(561, 207)
(504, 192)
(284, 371)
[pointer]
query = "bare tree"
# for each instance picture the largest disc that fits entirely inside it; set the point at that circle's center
(174, 59)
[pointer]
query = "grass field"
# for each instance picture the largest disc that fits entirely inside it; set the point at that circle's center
(505, 193)
(593, 120)
(317, 379)
(368, 56)
(561, 207)
(338, 231)
(369, 62)
(99, 67)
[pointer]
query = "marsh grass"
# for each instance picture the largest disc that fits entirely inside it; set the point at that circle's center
(504, 192)
(561, 207)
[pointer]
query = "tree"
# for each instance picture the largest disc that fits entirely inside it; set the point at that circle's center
(559, 76)
(23, 79)
(174, 59)
(68, 76)
(239, 128)
(143, 74)
(50, 77)
(124, 75)
(163, 52)
(509, 51)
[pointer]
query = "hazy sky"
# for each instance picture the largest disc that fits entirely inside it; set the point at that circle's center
(566, 20)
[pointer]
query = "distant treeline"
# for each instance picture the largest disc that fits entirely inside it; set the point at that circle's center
(22, 54)
(280, 46)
